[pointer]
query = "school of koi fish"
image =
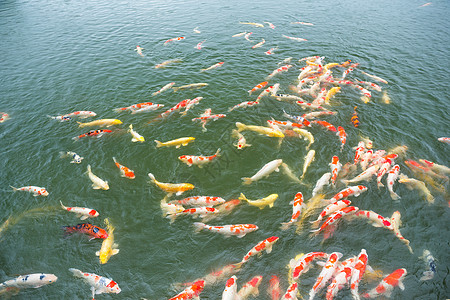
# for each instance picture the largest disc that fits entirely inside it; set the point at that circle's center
(317, 92)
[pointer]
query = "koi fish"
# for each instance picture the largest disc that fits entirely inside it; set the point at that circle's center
(191, 292)
(198, 160)
(285, 125)
(329, 209)
(199, 201)
(302, 265)
(354, 118)
(76, 159)
(335, 217)
(164, 88)
(194, 212)
(167, 62)
(444, 140)
(93, 231)
(253, 24)
(359, 152)
(223, 209)
(136, 136)
(213, 67)
(431, 263)
(314, 114)
(306, 135)
(279, 70)
(170, 208)
(189, 86)
(180, 105)
(321, 183)
(98, 133)
(326, 273)
(207, 116)
(375, 77)
(350, 191)
(309, 105)
(289, 173)
(139, 50)
(333, 91)
(97, 183)
(265, 171)
(303, 23)
(170, 188)
(391, 178)
(274, 288)
(258, 87)
(365, 175)
(184, 141)
(242, 142)
(35, 190)
(247, 36)
(264, 93)
(239, 34)
(81, 114)
(335, 168)
(270, 25)
(266, 245)
(82, 212)
(291, 292)
(259, 44)
(270, 51)
(386, 286)
(239, 230)
(426, 4)
(133, 107)
(196, 30)
(101, 122)
(124, 171)
(297, 39)
(147, 108)
(108, 248)
(375, 219)
(5, 116)
(230, 291)
(261, 203)
(309, 158)
(199, 45)
(297, 205)
(99, 284)
(250, 288)
(435, 167)
(339, 281)
(412, 183)
(325, 124)
(342, 136)
(396, 223)
(357, 273)
(173, 40)
(298, 119)
(259, 129)
(243, 105)
(34, 281)
(365, 159)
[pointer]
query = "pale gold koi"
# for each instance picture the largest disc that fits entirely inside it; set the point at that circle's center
(101, 122)
(261, 203)
(171, 188)
(184, 141)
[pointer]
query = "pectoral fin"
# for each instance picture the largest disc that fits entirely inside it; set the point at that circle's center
(83, 217)
(114, 251)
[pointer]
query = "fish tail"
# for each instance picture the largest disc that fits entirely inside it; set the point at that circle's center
(345, 181)
(315, 224)
(80, 124)
(427, 275)
(247, 180)
(198, 226)
(158, 144)
(75, 138)
(217, 152)
(242, 197)
(130, 128)
(394, 196)
(62, 205)
(117, 110)
(88, 169)
(152, 177)
(175, 89)
(114, 159)
(76, 272)
(63, 154)
(285, 226)
(14, 188)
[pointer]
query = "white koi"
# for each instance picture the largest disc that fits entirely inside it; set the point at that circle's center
(374, 218)
(309, 158)
(265, 171)
(136, 136)
(297, 39)
(230, 291)
(34, 281)
(164, 88)
(321, 183)
(97, 183)
(259, 44)
(82, 212)
(391, 178)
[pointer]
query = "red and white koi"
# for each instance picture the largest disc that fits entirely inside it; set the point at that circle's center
(239, 34)
(223, 209)
(359, 152)
(374, 218)
(258, 87)
(383, 169)
(270, 25)
(264, 93)
(302, 265)
(444, 140)
(215, 66)
(375, 77)
(230, 291)
(199, 201)
(309, 105)
(297, 39)
(191, 104)
(283, 124)
(342, 136)
(199, 45)
(284, 68)
(259, 44)
(335, 217)
(387, 285)
(320, 99)
(198, 160)
(336, 166)
(321, 183)
(177, 107)
(164, 88)
(357, 272)
(133, 107)
(396, 223)
(378, 157)
(435, 167)
(82, 212)
(339, 281)
(35, 190)
(270, 51)
(391, 178)
(191, 292)
(350, 191)
(291, 292)
(242, 142)
(99, 284)
(326, 273)
(329, 209)
(98, 133)
(207, 116)
(81, 114)
(239, 230)
(139, 50)
(174, 40)
(274, 288)
(297, 205)
(124, 171)
(195, 212)
(250, 288)
(325, 124)
(247, 36)
(4, 116)
(243, 105)
(365, 175)
(372, 85)
(365, 159)
(265, 245)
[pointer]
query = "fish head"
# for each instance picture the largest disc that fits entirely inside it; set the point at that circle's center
(48, 278)
(117, 122)
(100, 233)
(130, 174)
(272, 239)
(44, 192)
(93, 213)
(113, 287)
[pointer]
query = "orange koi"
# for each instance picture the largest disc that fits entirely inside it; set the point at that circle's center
(174, 39)
(354, 118)
(258, 87)
(124, 171)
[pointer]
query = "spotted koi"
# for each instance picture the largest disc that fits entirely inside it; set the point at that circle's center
(35, 190)
(94, 231)
(265, 245)
(297, 205)
(387, 285)
(376, 219)
(239, 230)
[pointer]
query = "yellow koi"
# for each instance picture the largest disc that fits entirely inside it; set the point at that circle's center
(101, 122)
(108, 248)
(184, 141)
(261, 203)
(309, 158)
(259, 129)
(253, 24)
(385, 97)
(306, 135)
(171, 188)
(333, 91)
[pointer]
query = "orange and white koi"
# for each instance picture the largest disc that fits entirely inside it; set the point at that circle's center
(191, 104)
(270, 25)
(396, 223)
(81, 114)
(302, 265)
(321, 183)
(207, 116)
(195, 212)
(383, 169)
(291, 292)
(387, 285)
(124, 171)
(297, 39)
(242, 142)
(329, 209)
(147, 108)
(230, 291)
(265, 245)
(274, 288)
(359, 152)
(239, 230)
(378, 157)
(244, 105)
(259, 44)
(199, 45)
(336, 166)
(326, 273)
(177, 107)
(247, 36)
(139, 50)
(376, 219)
(264, 93)
(82, 212)
(173, 40)
(325, 124)
(250, 288)
(357, 272)
(167, 62)
(282, 124)
(365, 175)
(199, 201)
(170, 188)
(335, 217)
(284, 68)
(4, 116)
(35, 190)
(184, 141)
(365, 159)
(223, 209)
(444, 140)
(213, 67)
(309, 105)
(259, 129)
(164, 88)
(391, 178)
(133, 107)
(258, 87)
(270, 51)
(372, 85)
(191, 292)
(99, 284)
(375, 77)
(350, 191)
(198, 160)
(320, 99)
(297, 205)
(342, 136)
(339, 281)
